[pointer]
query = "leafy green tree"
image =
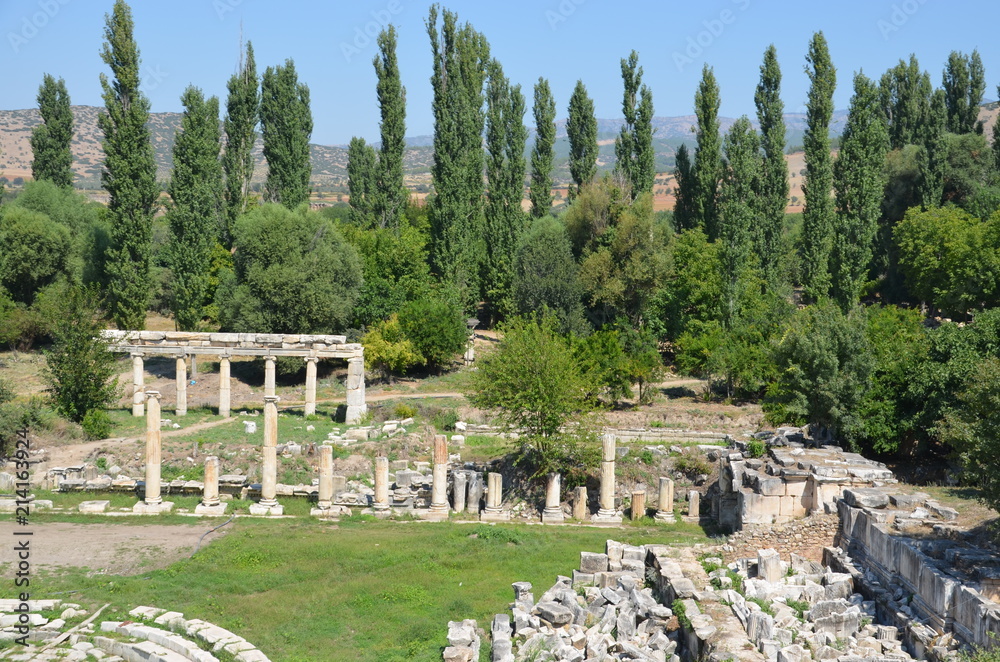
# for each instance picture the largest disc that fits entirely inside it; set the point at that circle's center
(294, 273)
(533, 383)
(996, 142)
(971, 429)
(859, 180)
(543, 153)
(80, 368)
(581, 129)
(36, 252)
(388, 350)
(887, 414)
(545, 276)
(964, 82)
(196, 189)
(934, 155)
(819, 212)
(603, 364)
(461, 55)
(824, 367)
(634, 156)
(286, 125)
(643, 365)
(966, 168)
(50, 140)
(707, 169)
(692, 288)
(390, 203)
(505, 220)
(905, 96)
(129, 174)
(240, 125)
(773, 186)
(362, 182)
(437, 329)
(950, 259)
(684, 192)
(738, 215)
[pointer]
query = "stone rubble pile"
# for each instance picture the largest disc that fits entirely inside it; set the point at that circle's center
(604, 612)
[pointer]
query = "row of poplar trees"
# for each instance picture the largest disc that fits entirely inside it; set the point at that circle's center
(210, 182)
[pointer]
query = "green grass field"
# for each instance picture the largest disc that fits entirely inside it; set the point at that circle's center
(362, 590)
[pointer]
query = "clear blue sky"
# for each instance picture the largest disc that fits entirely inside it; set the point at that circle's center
(197, 42)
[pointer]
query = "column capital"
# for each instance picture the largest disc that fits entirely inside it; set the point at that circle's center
(271, 398)
(153, 394)
(182, 355)
(310, 359)
(137, 355)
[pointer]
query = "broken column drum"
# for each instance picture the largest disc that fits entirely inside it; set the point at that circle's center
(181, 380)
(381, 483)
(224, 392)
(310, 407)
(269, 480)
(153, 448)
(356, 407)
(138, 396)
(210, 495)
(439, 487)
(665, 500)
(268, 375)
(607, 504)
(325, 499)
(553, 509)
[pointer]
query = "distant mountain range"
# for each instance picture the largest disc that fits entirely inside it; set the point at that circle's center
(330, 161)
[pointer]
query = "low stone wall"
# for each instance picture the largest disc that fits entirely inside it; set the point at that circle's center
(939, 581)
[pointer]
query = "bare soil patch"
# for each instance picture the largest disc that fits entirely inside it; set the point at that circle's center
(111, 548)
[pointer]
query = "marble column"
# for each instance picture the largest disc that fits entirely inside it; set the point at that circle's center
(381, 483)
(356, 407)
(224, 392)
(665, 500)
(182, 386)
(494, 511)
(475, 492)
(553, 510)
(607, 513)
(460, 481)
(439, 487)
(580, 503)
(138, 397)
(310, 385)
(325, 476)
(470, 349)
(153, 448)
(694, 504)
(638, 504)
(268, 504)
(268, 376)
(210, 502)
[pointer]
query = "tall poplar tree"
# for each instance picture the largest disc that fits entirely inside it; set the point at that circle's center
(362, 181)
(392, 195)
(684, 191)
(859, 180)
(774, 172)
(707, 154)
(196, 192)
(634, 156)
(240, 124)
(817, 217)
(934, 154)
(543, 153)
(286, 125)
(964, 82)
(905, 94)
(996, 141)
(460, 57)
(737, 214)
(129, 174)
(52, 159)
(506, 136)
(581, 129)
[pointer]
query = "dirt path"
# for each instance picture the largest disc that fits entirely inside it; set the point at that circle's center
(111, 548)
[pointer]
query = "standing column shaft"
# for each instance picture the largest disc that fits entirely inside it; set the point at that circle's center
(665, 499)
(182, 388)
(153, 447)
(494, 494)
(381, 483)
(638, 504)
(607, 476)
(580, 503)
(461, 480)
(553, 508)
(210, 497)
(439, 489)
(269, 480)
(310, 385)
(138, 397)
(356, 407)
(325, 476)
(224, 386)
(268, 375)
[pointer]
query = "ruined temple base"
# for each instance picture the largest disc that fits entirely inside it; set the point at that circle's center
(433, 514)
(143, 508)
(212, 511)
(606, 520)
(262, 510)
(556, 516)
(497, 516)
